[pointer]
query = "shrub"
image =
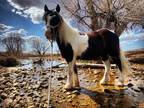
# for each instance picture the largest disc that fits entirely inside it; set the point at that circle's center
(8, 62)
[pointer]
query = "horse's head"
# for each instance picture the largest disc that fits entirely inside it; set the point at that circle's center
(52, 20)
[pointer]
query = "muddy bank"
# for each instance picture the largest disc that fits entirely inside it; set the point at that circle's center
(28, 88)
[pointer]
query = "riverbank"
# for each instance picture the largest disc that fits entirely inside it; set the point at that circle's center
(28, 88)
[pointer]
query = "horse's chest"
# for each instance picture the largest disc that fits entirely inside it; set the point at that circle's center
(80, 44)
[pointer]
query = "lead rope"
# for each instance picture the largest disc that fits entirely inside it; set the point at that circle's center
(50, 74)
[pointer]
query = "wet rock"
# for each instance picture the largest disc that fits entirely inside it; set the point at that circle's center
(5, 81)
(68, 93)
(8, 101)
(30, 94)
(142, 89)
(45, 85)
(107, 91)
(130, 85)
(44, 73)
(64, 90)
(2, 87)
(16, 84)
(8, 84)
(1, 91)
(22, 94)
(73, 96)
(83, 104)
(7, 90)
(32, 106)
(12, 95)
(60, 78)
(16, 100)
(2, 79)
(22, 84)
(15, 92)
(45, 105)
(36, 94)
(136, 90)
(87, 80)
(69, 96)
(69, 100)
(76, 92)
(3, 95)
(36, 86)
(94, 80)
(17, 106)
(6, 74)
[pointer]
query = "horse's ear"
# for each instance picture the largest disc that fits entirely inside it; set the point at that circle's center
(58, 8)
(46, 8)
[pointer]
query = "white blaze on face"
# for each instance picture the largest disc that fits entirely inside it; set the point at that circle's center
(48, 21)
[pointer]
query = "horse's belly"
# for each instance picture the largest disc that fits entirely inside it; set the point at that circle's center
(89, 55)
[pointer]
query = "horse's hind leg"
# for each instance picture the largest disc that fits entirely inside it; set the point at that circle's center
(106, 77)
(120, 80)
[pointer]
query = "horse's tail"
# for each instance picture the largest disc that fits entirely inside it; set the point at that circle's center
(125, 65)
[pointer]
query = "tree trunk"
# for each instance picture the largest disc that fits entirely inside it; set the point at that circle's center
(92, 13)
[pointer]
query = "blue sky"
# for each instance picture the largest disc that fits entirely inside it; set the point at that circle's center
(17, 21)
(25, 17)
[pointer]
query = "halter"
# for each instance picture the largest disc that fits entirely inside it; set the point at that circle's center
(53, 27)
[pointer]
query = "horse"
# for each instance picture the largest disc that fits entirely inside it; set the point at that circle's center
(73, 44)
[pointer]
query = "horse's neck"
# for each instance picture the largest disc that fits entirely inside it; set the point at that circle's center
(67, 33)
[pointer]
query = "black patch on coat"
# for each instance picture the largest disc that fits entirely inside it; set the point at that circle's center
(66, 50)
(102, 44)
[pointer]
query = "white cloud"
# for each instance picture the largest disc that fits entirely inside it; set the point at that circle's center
(35, 14)
(5, 28)
(18, 12)
(13, 10)
(126, 37)
(13, 33)
(31, 8)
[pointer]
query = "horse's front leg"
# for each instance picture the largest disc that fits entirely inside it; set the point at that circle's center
(72, 76)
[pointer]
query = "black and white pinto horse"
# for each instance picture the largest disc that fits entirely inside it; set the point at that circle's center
(88, 46)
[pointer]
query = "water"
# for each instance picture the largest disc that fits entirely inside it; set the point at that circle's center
(29, 64)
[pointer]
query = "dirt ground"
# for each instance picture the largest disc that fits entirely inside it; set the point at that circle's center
(28, 88)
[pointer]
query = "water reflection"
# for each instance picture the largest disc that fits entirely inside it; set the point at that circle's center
(37, 63)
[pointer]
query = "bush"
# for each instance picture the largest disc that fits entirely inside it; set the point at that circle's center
(8, 62)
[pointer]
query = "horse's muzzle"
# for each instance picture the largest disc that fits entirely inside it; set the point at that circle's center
(48, 34)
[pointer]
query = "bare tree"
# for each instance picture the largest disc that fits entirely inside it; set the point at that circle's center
(112, 14)
(40, 47)
(13, 43)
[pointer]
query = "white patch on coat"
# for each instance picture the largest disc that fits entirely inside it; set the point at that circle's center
(70, 35)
